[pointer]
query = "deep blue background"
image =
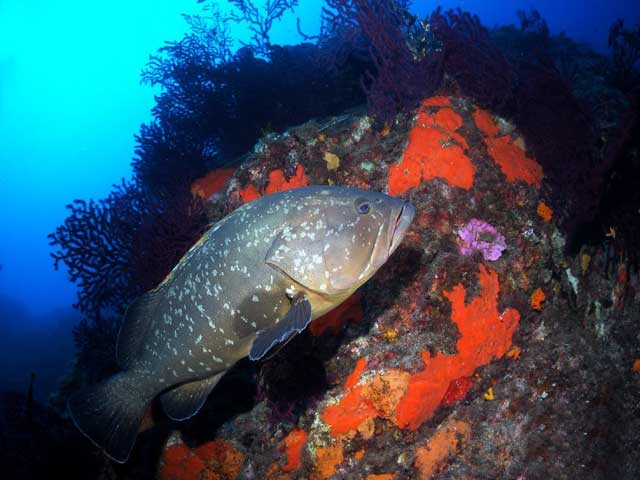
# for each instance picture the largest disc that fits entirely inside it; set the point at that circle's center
(70, 103)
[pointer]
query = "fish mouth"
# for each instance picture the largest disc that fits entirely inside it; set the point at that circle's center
(403, 220)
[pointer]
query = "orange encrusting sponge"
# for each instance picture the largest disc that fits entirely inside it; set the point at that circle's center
(215, 460)
(485, 335)
(294, 442)
(435, 150)
(410, 400)
(506, 152)
(212, 182)
(277, 183)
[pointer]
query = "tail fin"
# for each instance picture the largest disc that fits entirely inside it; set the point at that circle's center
(110, 413)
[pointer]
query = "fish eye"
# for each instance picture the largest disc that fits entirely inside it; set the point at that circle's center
(362, 206)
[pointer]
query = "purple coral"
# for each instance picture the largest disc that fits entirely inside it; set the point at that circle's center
(478, 235)
(385, 35)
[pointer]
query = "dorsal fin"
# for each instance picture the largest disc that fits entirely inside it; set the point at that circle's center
(135, 325)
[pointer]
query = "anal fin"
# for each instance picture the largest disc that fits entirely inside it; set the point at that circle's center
(184, 401)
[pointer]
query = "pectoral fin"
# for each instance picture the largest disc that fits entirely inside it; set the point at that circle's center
(295, 321)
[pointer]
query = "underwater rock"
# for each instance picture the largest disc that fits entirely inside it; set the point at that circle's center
(461, 358)
(451, 362)
(437, 351)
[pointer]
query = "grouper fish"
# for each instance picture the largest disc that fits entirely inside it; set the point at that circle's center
(253, 280)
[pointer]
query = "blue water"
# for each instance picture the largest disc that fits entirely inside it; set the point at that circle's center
(70, 104)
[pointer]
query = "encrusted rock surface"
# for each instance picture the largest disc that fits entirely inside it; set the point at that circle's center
(478, 351)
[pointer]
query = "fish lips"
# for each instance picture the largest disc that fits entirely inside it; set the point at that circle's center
(402, 223)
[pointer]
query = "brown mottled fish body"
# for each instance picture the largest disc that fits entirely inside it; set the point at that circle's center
(253, 280)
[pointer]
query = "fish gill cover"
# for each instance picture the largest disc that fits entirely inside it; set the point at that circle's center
(556, 120)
